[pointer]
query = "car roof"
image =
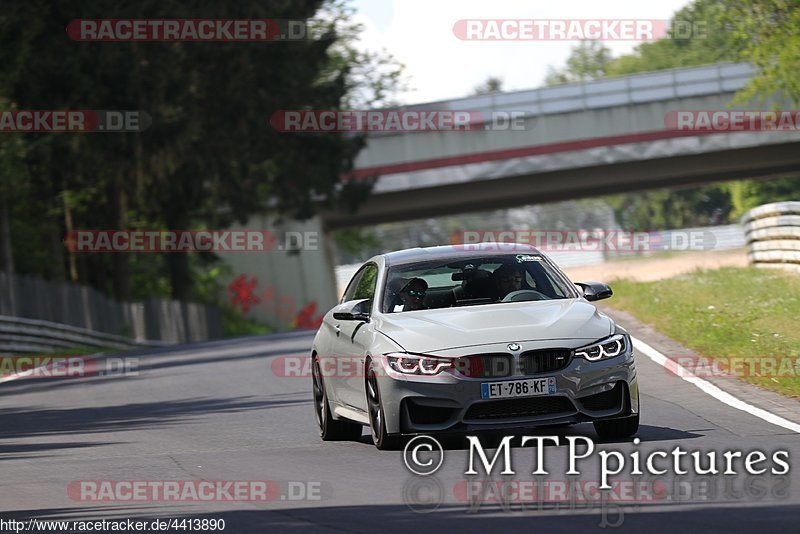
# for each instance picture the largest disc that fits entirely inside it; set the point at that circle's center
(456, 252)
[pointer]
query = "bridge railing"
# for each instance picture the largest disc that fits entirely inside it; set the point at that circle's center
(617, 91)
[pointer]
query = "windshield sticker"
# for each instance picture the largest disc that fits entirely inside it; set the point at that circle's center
(521, 258)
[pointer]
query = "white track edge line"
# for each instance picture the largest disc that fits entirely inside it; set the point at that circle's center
(711, 389)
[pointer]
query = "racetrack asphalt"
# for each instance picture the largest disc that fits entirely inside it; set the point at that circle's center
(218, 411)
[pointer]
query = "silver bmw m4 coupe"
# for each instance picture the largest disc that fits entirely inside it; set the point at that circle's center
(467, 338)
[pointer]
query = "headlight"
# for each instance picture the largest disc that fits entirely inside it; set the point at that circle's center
(418, 364)
(608, 348)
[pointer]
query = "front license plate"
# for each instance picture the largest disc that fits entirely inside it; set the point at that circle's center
(519, 388)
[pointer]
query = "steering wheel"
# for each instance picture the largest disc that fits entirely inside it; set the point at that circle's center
(523, 295)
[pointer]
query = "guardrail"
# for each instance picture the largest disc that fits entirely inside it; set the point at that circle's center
(18, 335)
(773, 235)
(86, 308)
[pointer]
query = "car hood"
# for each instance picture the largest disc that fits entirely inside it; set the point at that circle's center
(447, 328)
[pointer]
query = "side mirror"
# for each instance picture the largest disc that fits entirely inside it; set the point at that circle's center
(594, 290)
(352, 310)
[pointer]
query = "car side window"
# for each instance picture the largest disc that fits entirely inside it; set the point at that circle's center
(349, 293)
(365, 289)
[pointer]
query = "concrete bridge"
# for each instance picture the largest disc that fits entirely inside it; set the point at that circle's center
(575, 140)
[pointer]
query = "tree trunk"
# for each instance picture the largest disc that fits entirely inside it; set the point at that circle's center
(56, 268)
(7, 257)
(180, 275)
(121, 260)
(73, 266)
(6, 252)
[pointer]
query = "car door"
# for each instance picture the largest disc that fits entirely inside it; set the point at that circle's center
(352, 342)
(333, 346)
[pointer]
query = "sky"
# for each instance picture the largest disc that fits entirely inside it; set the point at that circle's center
(439, 66)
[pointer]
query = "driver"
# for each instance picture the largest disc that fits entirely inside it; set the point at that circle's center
(507, 278)
(410, 294)
(413, 293)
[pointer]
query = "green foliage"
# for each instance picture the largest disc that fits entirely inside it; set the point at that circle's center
(492, 84)
(712, 42)
(764, 32)
(588, 61)
(209, 158)
(770, 33)
(672, 208)
(234, 325)
(730, 312)
(748, 194)
(356, 242)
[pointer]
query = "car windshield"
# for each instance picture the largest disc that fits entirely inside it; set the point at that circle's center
(474, 281)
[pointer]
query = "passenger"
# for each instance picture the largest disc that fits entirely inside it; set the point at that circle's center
(507, 278)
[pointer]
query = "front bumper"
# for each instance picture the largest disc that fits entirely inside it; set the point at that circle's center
(585, 391)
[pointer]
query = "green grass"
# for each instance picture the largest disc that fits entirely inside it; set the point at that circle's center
(79, 351)
(729, 312)
(234, 325)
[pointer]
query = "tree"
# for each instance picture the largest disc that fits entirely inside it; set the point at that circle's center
(209, 157)
(763, 32)
(768, 30)
(13, 176)
(710, 42)
(492, 84)
(587, 61)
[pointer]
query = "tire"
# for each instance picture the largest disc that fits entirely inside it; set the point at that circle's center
(617, 428)
(377, 418)
(329, 428)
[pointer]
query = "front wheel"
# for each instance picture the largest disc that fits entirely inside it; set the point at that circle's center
(329, 428)
(377, 419)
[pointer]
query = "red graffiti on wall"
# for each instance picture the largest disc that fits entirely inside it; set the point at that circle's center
(305, 319)
(243, 292)
(276, 304)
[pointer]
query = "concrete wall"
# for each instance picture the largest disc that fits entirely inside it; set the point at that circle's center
(280, 284)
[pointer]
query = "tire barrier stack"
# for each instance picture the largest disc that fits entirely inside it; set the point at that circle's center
(773, 235)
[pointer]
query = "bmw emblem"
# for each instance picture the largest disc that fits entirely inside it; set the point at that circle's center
(513, 346)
